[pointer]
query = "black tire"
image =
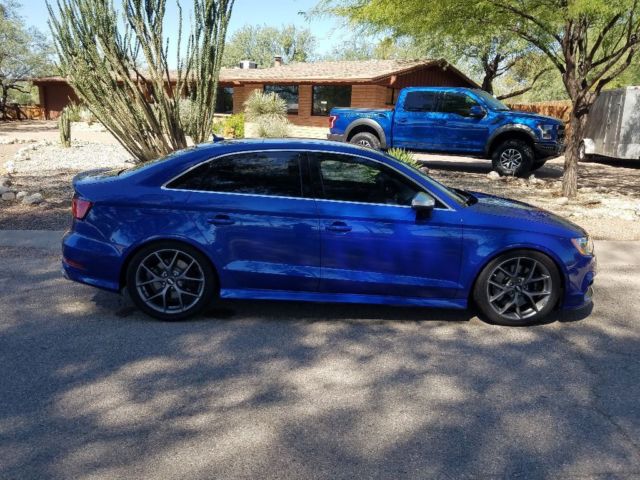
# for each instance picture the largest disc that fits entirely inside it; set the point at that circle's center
(517, 153)
(197, 282)
(366, 139)
(538, 164)
(490, 298)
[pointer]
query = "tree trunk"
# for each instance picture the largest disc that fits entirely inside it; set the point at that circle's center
(571, 156)
(487, 83)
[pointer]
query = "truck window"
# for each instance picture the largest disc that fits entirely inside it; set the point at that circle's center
(420, 101)
(458, 103)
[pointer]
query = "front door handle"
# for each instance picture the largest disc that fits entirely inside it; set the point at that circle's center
(221, 220)
(402, 120)
(340, 227)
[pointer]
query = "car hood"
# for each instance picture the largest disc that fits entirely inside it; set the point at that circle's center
(502, 210)
(531, 116)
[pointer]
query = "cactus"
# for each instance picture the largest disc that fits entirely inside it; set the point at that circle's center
(64, 125)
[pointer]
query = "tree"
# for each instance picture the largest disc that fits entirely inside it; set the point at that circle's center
(451, 29)
(24, 53)
(261, 43)
(121, 72)
(590, 42)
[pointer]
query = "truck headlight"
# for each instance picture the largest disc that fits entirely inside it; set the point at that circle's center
(546, 131)
(584, 245)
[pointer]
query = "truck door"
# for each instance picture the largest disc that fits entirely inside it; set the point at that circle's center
(416, 120)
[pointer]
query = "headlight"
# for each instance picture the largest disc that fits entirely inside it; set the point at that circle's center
(546, 131)
(584, 245)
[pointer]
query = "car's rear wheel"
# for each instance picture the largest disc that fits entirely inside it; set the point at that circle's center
(170, 281)
(366, 139)
(518, 288)
(513, 158)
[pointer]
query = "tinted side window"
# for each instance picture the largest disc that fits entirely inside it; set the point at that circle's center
(420, 101)
(257, 173)
(458, 103)
(354, 179)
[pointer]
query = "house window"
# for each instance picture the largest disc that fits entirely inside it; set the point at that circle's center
(289, 93)
(224, 100)
(325, 97)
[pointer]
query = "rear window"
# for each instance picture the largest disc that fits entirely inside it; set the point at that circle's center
(254, 173)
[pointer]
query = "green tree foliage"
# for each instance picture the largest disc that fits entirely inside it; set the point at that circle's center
(261, 43)
(119, 67)
(24, 53)
(454, 29)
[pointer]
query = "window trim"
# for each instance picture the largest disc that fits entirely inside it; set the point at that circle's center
(312, 197)
(264, 90)
(350, 86)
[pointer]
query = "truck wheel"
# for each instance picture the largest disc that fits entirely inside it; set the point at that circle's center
(513, 157)
(366, 139)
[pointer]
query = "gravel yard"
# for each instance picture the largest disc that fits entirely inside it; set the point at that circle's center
(608, 204)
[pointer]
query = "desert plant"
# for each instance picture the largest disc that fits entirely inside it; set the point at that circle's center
(100, 53)
(269, 112)
(186, 113)
(64, 125)
(234, 126)
(405, 157)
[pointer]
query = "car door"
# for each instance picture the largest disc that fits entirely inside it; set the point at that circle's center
(417, 121)
(461, 131)
(372, 242)
(261, 231)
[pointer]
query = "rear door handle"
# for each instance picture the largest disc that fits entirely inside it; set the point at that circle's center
(340, 227)
(221, 219)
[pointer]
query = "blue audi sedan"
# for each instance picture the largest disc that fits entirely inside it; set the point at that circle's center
(317, 221)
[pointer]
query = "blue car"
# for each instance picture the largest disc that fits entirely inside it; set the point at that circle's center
(317, 221)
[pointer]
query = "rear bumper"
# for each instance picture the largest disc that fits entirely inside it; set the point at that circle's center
(336, 137)
(90, 261)
(548, 149)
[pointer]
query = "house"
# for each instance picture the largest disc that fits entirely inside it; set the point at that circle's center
(310, 89)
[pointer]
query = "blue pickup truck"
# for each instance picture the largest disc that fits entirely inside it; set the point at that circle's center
(454, 120)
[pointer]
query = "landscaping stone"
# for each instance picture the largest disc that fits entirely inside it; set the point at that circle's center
(493, 175)
(4, 182)
(4, 190)
(562, 201)
(21, 195)
(7, 196)
(33, 199)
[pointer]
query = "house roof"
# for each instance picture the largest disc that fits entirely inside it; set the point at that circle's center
(356, 71)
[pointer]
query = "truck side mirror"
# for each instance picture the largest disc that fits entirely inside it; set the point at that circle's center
(477, 111)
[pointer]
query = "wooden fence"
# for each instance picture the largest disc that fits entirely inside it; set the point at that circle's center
(560, 109)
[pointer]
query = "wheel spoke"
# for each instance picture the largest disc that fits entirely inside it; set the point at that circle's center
(499, 295)
(533, 302)
(150, 271)
(173, 260)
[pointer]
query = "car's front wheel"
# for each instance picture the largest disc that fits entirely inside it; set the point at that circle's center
(170, 280)
(513, 157)
(518, 288)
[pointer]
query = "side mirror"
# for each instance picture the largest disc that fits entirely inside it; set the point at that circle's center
(423, 204)
(477, 111)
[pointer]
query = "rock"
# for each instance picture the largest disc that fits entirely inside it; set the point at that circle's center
(33, 199)
(586, 190)
(562, 201)
(4, 182)
(4, 190)
(425, 170)
(7, 196)
(10, 167)
(21, 195)
(602, 190)
(493, 175)
(535, 181)
(592, 201)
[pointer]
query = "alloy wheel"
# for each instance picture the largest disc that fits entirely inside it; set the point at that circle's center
(364, 143)
(519, 288)
(170, 281)
(510, 160)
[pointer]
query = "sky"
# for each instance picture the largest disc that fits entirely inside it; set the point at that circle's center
(275, 13)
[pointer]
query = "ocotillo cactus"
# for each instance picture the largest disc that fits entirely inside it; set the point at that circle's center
(64, 125)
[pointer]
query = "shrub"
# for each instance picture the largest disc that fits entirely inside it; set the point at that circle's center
(186, 115)
(405, 157)
(233, 126)
(269, 112)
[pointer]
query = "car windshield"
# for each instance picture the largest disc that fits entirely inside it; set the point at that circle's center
(492, 102)
(449, 192)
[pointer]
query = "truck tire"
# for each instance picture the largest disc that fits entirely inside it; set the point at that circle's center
(513, 158)
(366, 139)
(538, 164)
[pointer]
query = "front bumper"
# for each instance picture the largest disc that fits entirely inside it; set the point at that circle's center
(579, 285)
(335, 137)
(548, 149)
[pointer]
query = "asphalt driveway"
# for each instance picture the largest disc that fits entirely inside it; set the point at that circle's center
(91, 389)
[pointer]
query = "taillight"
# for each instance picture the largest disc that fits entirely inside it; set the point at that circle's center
(80, 207)
(332, 120)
